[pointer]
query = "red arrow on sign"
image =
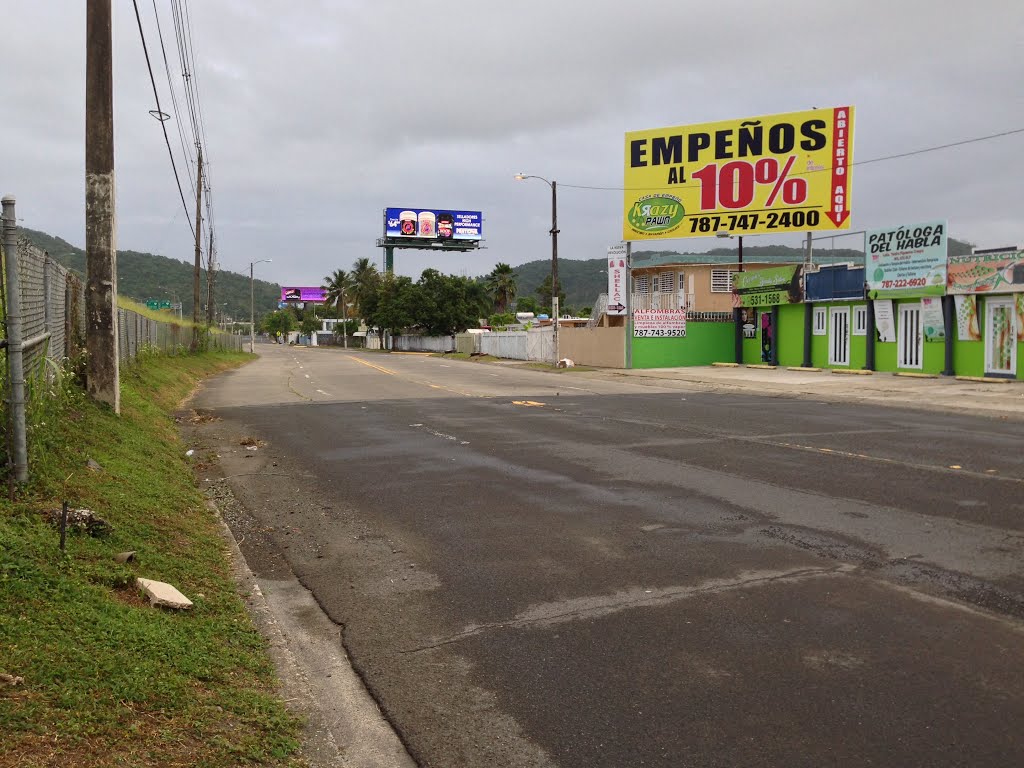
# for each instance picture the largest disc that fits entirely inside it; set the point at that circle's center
(839, 209)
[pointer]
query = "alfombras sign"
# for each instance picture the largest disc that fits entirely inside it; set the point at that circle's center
(659, 323)
(439, 224)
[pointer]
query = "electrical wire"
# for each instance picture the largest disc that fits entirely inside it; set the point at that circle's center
(922, 151)
(160, 116)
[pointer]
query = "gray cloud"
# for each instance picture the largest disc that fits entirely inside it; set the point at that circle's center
(320, 114)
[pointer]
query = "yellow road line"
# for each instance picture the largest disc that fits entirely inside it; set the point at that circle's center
(371, 365)
(389, 372)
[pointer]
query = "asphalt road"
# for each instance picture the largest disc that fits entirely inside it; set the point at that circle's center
(539, 569)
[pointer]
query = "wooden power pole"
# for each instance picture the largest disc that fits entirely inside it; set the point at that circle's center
(197, 270)
(101, 333)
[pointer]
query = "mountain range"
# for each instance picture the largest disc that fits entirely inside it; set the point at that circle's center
(145, 276)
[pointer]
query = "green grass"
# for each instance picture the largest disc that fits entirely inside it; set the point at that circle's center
(552, 369)
(108, 680)
(465, 356)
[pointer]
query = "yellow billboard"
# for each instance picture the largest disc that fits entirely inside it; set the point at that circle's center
(759, 175)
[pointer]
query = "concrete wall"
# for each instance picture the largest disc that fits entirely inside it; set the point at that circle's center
(704, 343)
(424, 343)
(603, 347)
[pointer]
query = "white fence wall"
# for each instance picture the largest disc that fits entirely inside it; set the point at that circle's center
(535, 344)
(425, 343)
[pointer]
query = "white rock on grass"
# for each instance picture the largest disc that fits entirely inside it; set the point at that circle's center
(161, 593)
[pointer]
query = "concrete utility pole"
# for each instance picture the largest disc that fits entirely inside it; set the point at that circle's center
(102, 372)
(198, 267)
(211, 273)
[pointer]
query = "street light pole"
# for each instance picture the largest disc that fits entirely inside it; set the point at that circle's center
(344, 319)
(252, 304)
(554, 253)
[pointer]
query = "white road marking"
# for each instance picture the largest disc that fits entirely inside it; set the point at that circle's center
(328, 394)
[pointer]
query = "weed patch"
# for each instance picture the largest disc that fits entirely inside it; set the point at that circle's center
(109, 680)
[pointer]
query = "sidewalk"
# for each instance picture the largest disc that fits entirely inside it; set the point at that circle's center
(998, 398)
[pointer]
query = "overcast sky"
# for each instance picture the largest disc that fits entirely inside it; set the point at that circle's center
(318, 115)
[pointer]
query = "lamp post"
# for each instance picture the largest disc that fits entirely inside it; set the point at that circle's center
(252, 304)
(554, 251)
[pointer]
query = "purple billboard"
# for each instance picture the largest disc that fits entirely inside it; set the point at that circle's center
(305, 293)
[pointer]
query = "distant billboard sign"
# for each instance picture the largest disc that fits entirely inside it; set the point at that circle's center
(758, 175)
(303, 293)
(438, 224)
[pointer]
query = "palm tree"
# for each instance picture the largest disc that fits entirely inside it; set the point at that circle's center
(502, 284)
(364, 279)
(339, 291)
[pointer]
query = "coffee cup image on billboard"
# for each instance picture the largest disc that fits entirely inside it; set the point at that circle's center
(427, 224)
(407, 223)
(445, 226)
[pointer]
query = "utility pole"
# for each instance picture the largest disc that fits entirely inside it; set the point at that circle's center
(196, 271)
(211, 272)
(102, 371)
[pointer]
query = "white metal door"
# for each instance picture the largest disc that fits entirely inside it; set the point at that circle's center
(909, 337)
(1000, 337)
(839, 337)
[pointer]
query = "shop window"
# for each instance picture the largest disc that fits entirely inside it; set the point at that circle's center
(820, 321)
(643, 284)
(666, 282)
(860, 321)
(721, 280)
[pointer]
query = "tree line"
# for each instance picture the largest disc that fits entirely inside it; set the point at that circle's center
(436, 304)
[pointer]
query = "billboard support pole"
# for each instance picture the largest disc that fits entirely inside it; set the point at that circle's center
(629, 305)
(389, 259)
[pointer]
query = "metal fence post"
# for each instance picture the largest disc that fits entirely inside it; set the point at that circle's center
(16, 365)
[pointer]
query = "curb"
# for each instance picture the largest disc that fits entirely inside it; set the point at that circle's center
(853, 371)
(984, 379)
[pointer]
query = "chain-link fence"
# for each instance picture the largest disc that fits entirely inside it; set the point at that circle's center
(44, 326)
(53, 317)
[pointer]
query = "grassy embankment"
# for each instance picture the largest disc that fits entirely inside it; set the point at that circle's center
(109, 680)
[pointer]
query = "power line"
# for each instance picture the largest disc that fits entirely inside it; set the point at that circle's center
(922, 151)
(174, 100)
(160, 116)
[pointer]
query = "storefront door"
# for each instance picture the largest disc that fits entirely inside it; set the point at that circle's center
(1000, 337)
(908, 329)
(839, 337)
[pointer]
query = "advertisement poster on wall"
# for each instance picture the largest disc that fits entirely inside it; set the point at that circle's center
(987, 272)
(659, 323)
(438, 224)
(884, 323)
(767, 287)
(967, 328)
(616, 280)
(931, 319)
(768, 174)
(908, 260)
